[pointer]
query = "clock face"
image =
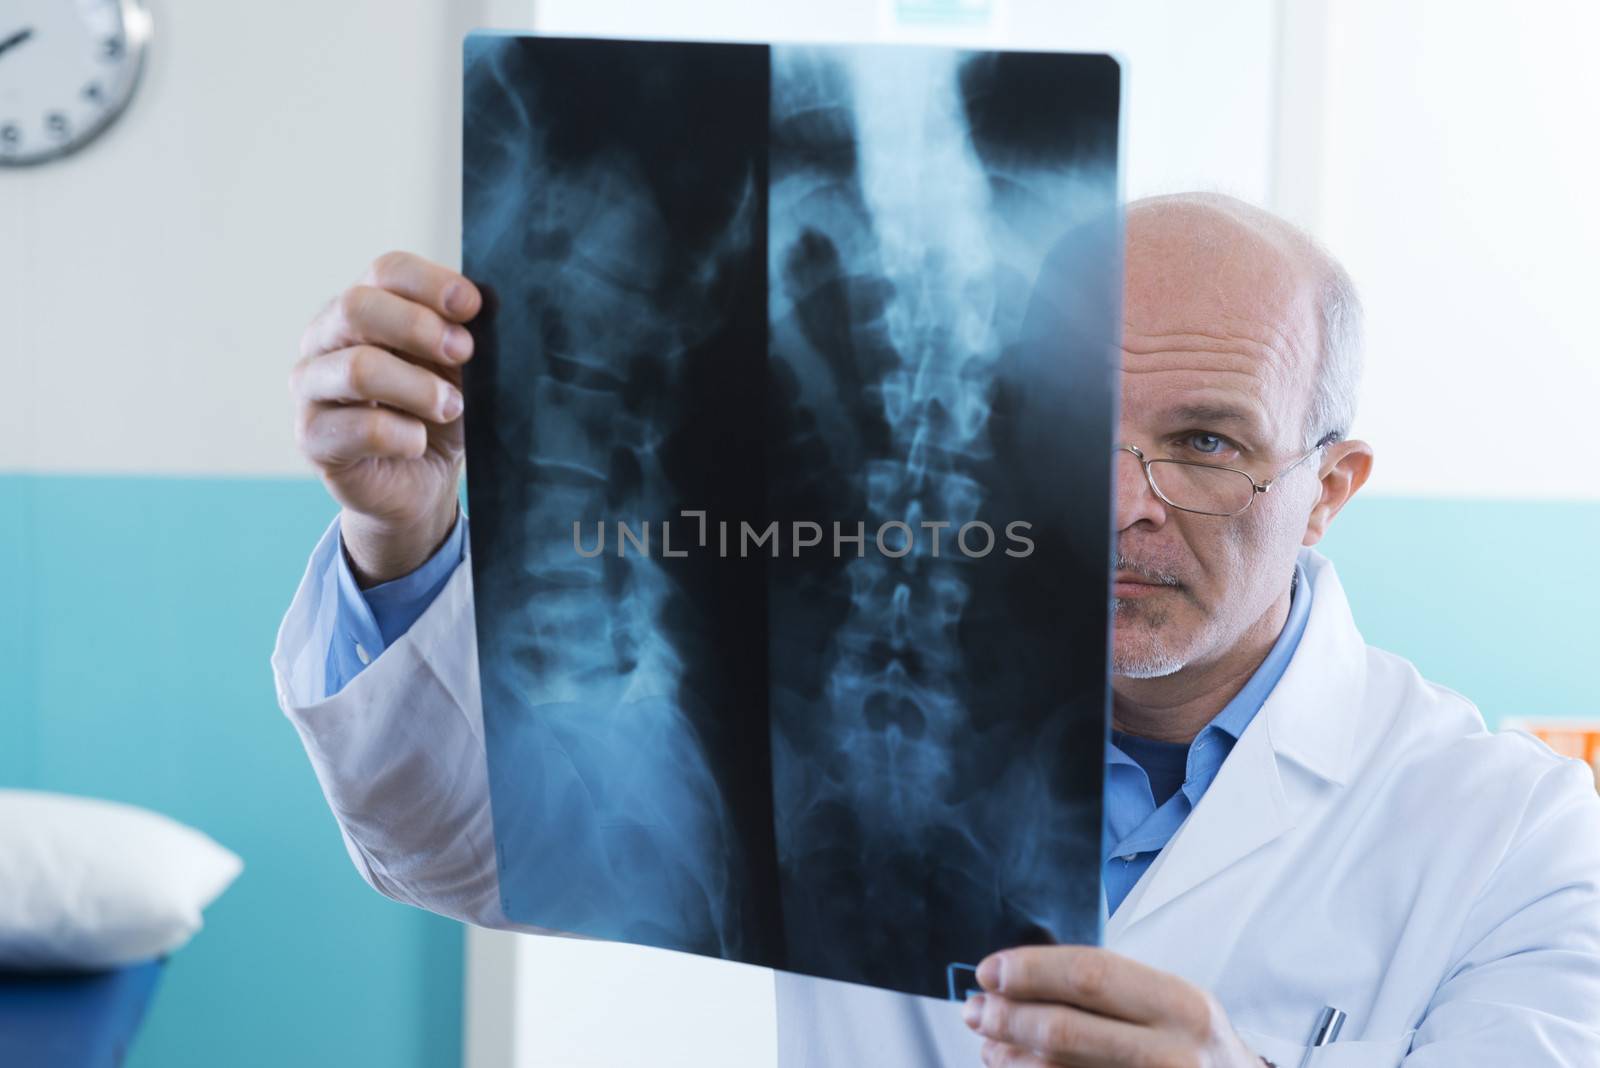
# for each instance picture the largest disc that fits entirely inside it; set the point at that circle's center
(67, 69)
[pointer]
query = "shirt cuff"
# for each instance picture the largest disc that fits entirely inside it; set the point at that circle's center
(369, 621)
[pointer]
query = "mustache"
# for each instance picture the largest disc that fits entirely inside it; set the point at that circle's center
(1145, 571)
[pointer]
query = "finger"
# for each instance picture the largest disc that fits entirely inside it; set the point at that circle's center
(424, 282)
(1000, 1055)
(367, 315)
(1095, 979)
(363, 373)
(335, 436)
(1060, 1033)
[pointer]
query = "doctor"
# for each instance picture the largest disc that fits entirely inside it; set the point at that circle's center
(1294, 819)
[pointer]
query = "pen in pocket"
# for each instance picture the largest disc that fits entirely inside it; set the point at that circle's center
(1329, 1022)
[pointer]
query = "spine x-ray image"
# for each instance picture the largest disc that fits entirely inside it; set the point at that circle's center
(789, 458)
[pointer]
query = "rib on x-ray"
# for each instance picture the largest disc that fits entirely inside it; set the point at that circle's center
(789, 472)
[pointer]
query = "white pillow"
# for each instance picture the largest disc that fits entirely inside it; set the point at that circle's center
(95, 884)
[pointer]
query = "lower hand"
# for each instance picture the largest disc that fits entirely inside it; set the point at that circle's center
(1081, 1005)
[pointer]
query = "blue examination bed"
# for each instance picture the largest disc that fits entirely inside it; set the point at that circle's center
(73, 1019)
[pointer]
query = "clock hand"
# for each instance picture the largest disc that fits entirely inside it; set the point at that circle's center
(15, 39)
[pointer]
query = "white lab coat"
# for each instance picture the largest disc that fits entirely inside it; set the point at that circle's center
(1367, 845)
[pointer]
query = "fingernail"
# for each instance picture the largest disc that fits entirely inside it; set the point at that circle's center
(972, 1011)
(457, 300)
(457, 343)
(452, 403)
(989, 973)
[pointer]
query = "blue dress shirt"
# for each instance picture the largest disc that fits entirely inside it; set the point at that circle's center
(366, 622)
(1138, 820)
(1151, 787)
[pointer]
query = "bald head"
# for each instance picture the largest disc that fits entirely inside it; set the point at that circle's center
(1205, 257)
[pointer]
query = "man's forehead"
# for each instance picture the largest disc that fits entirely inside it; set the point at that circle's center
(1218, 301)
(1213, 413)
(1198, 396)
(1232, 388)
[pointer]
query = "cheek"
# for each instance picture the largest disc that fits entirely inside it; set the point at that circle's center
(1231, 556)
(1264, 548)
(1220, 548)
(1282, 525)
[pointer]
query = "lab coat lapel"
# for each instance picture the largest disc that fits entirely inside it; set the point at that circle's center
(1309, 720)
(1244, 809)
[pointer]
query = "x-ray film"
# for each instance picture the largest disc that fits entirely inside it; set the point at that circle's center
(789, 456)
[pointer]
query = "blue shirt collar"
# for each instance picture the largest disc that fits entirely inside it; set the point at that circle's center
(1237, 713)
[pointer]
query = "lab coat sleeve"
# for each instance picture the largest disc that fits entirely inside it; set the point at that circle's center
(1524, 984)
(399, 749)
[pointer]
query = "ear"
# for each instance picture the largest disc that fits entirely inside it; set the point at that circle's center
(1344, 470)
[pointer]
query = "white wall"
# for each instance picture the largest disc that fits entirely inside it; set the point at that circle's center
(153, 288)
(1454, 156)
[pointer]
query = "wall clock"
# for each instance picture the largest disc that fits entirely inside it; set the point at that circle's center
(68, 68)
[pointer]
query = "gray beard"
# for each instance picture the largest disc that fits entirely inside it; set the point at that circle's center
(1155, 664)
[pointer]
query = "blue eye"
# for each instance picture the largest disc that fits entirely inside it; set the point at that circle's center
(1207, 443)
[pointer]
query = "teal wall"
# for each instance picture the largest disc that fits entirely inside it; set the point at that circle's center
(140, 613)
(139, 617)
(1495, 599)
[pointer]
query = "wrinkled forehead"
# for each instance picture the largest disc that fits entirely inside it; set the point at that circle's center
(1214, 303)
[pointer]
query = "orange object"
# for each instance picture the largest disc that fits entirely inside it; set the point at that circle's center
(1572, 738)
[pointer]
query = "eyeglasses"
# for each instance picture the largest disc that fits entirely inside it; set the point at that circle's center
(1207, 489)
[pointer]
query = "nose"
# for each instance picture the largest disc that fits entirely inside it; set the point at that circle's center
(1135, 500)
